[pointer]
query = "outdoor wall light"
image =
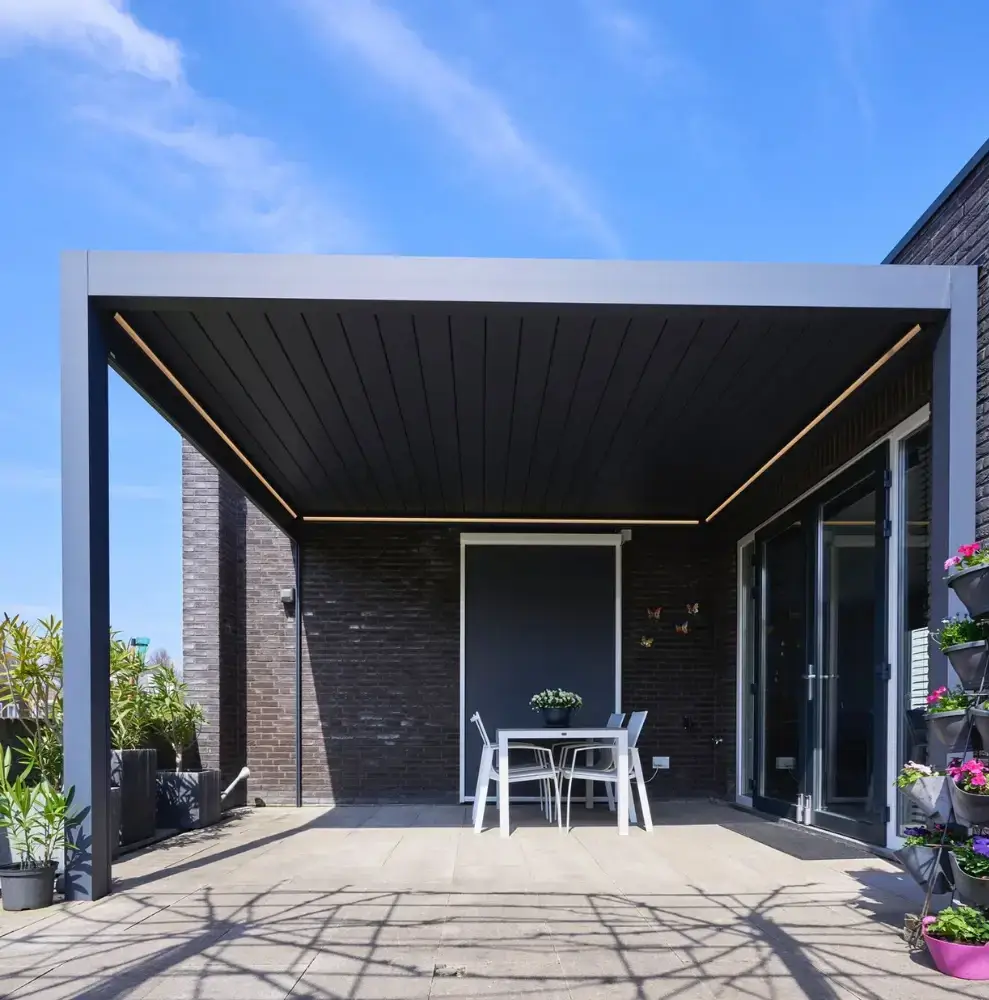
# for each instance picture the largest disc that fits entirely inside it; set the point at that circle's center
(287, 595)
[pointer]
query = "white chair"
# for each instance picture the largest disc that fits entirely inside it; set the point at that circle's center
(607, 771)
(615, 721)
(543, 770)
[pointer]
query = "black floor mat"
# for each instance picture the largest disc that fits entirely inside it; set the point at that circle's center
(804, 845)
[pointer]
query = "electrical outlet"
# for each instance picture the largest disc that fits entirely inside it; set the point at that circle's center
(786, 763)
(661, 763)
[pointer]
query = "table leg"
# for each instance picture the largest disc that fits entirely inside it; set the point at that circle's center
(589, 785)
(503, 785)
(640, 782)
(622, 786)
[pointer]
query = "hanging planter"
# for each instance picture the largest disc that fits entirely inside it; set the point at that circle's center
(969, 663)
(971, 889)
(971, 808)
(931, 796)
(924, 863)
(968, 576)
(948, 729)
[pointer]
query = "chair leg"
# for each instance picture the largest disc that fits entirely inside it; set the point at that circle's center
(559, 810)
(569, 790)
(610, 792)
(481, 795)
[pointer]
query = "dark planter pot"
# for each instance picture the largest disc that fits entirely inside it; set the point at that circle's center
(972, 587)
(188, 800)
(949, 729)
(116, 817)
(980, 719)
(134, 771)
(931, 796)
(923, 864)
(970, 809)
(557, 716)
(969, 661)
(27, 888)
(972, 890)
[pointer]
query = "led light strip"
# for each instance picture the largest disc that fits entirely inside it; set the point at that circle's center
(160, 365)
(865, 376)
(406, 519)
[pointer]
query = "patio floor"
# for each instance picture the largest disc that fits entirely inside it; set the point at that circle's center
(405, 901)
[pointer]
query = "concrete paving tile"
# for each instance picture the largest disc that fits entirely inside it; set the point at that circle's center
(256, 985)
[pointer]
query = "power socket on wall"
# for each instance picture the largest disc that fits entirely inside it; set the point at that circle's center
(661, 763)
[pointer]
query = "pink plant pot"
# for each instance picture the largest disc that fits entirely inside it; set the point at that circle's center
(962, 961)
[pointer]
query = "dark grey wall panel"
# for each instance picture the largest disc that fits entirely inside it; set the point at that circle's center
(536, 616)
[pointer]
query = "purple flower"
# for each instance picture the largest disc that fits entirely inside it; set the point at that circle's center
(915, 831)
(981, 846)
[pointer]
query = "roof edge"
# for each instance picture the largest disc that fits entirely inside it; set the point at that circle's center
(956, 182)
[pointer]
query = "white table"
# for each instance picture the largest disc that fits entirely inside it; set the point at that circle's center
(578, 734)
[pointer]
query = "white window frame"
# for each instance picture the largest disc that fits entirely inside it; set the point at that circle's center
(894, 439)
(614, 539)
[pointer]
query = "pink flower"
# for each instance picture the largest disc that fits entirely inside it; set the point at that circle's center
(954, 772)
(953, 561)
(978, 780)
(974, 766)
(967, 551)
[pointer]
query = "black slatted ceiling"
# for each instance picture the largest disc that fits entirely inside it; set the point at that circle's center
(356, 408)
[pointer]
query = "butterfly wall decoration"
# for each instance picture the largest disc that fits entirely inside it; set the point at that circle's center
(646, 641)
(683, 628)
(693, 609)
(654, 613)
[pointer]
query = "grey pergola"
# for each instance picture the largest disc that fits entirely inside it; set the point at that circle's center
(417, 389)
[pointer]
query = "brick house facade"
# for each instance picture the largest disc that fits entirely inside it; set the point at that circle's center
(380, 652)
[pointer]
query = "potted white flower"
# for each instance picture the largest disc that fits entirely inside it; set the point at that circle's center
(556, 705)
(927, 789)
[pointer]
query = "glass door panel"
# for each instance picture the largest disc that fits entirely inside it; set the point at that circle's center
(782, 663)
(850, 715)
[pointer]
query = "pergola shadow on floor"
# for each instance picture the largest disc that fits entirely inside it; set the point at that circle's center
(406, 901)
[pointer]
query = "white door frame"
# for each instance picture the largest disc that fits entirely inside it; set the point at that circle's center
(614, 539)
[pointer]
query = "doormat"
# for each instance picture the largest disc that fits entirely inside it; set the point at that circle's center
(799, 843)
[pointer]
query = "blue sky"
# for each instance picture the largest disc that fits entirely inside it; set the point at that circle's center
(755, 130)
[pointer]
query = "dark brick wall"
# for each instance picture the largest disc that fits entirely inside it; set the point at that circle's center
(958, 233)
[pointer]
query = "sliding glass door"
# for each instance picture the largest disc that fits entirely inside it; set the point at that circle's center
(821, 664)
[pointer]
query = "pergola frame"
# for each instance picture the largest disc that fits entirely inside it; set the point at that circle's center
(91, 278)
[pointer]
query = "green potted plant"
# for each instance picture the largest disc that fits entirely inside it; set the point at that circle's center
(186, 799)
(35, 817)
(963, 641)
(947, 717)
(957, 939)
(968, 576)
(924, 854)
(970, 869)
(133, 762)
(556, 705)
(927, 789)
(968, 784)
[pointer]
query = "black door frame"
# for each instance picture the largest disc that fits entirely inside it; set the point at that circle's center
(876, 465)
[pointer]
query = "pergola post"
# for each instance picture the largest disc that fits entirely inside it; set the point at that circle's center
(85, 583)
(953, 410)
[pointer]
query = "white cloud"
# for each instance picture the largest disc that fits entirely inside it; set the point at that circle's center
(472, 115)
(100, 29)
(631, 38)
(226, 182)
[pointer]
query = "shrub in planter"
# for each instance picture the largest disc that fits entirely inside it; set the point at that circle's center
(927, 789)
(957, 939)
(947, 717)
(963, 641)
(35, 818)
(968, 784)
(186, 800)
(970, 868)
(556, 705)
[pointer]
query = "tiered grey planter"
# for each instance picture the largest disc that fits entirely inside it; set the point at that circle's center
(948, 728)
(972, 587)
(970, 809)
(922, 863)
(188, 800)
(972, 890)
(969, 663)
(931, 796)
(980, 719)
(134, 772)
